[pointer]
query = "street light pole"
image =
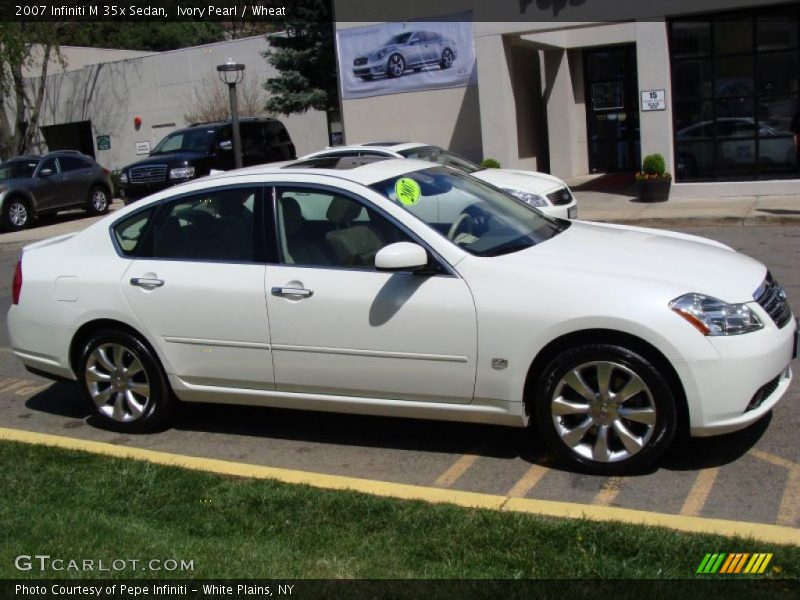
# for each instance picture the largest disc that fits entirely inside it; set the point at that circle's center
(237, 139)
(232, 73)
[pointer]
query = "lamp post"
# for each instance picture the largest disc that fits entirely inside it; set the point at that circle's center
(232, 73)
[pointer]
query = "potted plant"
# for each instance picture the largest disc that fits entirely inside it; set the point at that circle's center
(653, 181)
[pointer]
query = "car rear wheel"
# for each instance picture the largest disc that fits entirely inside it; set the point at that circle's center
(447, 59)
(124, 383)
(605, 409)
(396, 66)
(16, 214)
(98, 201)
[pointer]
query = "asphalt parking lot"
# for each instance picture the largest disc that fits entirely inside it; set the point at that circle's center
(753, 475)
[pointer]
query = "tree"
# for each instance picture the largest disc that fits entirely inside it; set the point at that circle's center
(144, 36)
(211, 101)
(304, 56)
(20, 98)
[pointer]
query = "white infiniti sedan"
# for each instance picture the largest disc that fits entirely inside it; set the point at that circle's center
(547, 193)
(395, 287)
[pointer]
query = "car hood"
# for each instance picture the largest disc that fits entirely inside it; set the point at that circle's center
(169, 158)
(526, 181)
(684, 262)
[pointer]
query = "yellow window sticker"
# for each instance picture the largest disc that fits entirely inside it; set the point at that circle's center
(408, 191)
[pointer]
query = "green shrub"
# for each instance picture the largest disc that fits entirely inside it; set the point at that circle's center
(490, 163)
(653, 164)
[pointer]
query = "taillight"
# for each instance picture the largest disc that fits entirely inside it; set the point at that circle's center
(16, 289)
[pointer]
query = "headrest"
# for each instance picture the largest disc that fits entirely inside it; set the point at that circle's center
(343, 210)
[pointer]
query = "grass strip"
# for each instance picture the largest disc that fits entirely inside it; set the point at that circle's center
(75, 505)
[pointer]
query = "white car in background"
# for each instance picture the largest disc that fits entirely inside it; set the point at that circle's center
(547, 193)
(401, 288)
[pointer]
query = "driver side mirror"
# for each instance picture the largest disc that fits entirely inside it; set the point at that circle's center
(401, 256)
(45, 173)
(226, 145)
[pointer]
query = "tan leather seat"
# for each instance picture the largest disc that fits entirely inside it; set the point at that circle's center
(351, 244)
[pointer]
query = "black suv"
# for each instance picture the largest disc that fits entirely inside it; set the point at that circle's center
(193, 152)
(35, 185)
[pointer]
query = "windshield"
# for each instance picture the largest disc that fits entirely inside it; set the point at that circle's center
(197, 140)
(441, 156)
(398, 39)
(475, 216)
(17, 169)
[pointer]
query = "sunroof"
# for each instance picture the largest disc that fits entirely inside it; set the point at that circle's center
(338, 163)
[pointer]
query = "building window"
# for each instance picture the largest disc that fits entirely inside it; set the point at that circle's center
(736, 94)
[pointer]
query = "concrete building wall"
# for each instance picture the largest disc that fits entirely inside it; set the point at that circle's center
(159, 89)
(76, 57)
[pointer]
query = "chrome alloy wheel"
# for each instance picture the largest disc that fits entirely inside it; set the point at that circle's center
(396, 65)
(99, 200)
(117, 382)
(18, 214)
(447, 59)
(603, 411)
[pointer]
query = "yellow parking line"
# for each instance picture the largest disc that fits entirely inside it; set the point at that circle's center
(455, 472)
(31, 389)
(774, 534)
(609, 491)
(528, 481)
(698, 495)
(789, 509)
(12, 384)
(775, 460)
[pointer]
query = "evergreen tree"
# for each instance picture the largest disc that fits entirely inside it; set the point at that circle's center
(304, 56)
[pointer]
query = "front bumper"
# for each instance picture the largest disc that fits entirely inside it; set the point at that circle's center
(130, 192)
(371, 68)
(563, 211)
(746, 382)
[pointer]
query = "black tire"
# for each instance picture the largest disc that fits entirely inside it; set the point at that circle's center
(98, 201)
(395, 66)
(17, 214)
(655, 402)
(114, 409)
(447, 59)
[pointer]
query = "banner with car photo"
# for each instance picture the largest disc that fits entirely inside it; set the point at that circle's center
(404, 57)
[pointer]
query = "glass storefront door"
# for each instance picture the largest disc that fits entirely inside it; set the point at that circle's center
(612, 109)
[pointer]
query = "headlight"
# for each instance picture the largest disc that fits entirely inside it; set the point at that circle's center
(123, 178)
(381, 53)
(532, 199)
(181, 173)
(715, 317)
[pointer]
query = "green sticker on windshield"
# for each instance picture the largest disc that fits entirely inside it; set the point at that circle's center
(407, 191)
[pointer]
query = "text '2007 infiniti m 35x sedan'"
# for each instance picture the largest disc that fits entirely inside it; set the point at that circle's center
(403, 288)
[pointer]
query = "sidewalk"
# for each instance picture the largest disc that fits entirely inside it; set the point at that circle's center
(622, 206)
(618, 207)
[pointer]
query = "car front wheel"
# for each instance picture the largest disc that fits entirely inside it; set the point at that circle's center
(396, 66)
(447, 59)
(124, 383)
(98, 201)
(605, 409)
(16, 214)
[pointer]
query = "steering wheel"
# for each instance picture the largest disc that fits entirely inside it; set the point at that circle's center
(464, 217)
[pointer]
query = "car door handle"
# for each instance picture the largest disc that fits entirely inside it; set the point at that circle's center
(147, 282)
(289, 292)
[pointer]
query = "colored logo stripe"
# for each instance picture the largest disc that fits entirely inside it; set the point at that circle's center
(734, 563)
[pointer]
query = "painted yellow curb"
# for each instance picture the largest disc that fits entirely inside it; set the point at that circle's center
(760, 532)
